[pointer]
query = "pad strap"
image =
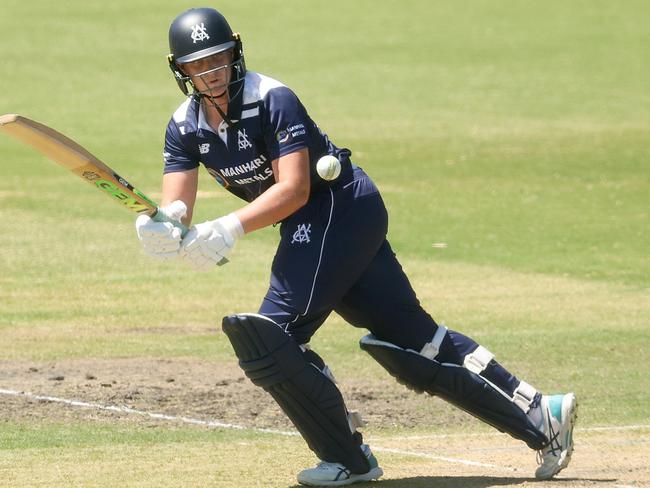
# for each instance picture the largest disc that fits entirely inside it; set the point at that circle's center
(431, 349)
(355, 421)
(478, 360)
(524, 396)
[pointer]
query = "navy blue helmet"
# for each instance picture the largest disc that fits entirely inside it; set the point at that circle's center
(198, 33)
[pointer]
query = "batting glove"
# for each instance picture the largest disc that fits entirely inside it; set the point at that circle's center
(209, 243)
(161, 240)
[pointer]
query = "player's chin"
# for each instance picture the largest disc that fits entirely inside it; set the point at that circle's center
(215, 92)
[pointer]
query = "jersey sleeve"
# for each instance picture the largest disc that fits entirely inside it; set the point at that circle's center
(177, 157)
(286, 122)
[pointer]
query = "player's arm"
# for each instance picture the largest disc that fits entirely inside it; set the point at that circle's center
(288, 194)
(159, 236)
(209, 243)
(181, 185)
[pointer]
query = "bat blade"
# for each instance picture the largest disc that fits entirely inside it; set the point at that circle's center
(70, 155)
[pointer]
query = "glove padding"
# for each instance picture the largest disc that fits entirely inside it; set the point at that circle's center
(161, 240)
(209, 243)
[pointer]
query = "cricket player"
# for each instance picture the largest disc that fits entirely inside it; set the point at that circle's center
(257, 140)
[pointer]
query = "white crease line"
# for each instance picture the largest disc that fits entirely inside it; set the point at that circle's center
(442, 458)
(157, 416)
(604, 428)
(223, 425)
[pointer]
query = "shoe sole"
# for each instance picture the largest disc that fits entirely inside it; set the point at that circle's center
(570, 411)
(373, 474)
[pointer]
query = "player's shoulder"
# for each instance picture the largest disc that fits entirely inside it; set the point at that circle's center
(259, 87)
(185, 117)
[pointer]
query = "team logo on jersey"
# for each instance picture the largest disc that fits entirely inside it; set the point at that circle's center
(204, 148)
(282, 136)
(242, 139)
(220, 179)
(199, 33)
(301, 236)
(290, 132)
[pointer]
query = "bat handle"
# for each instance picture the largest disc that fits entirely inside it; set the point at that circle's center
(161, 217)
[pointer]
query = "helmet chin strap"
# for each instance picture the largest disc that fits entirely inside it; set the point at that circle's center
(212, 101)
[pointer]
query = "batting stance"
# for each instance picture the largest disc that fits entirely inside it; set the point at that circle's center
(255, 138)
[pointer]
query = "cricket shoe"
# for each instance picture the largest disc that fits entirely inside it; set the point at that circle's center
(558, 419)
(335, 474)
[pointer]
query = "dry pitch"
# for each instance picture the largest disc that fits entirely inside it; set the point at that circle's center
(608, 456)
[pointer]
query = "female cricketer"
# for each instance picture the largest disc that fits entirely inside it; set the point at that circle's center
(254, 136)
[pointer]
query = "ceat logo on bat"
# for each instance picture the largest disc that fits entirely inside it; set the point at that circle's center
(125, 199)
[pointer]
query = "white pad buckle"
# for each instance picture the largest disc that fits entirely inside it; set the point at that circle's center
(478, 360)
(355, 421)
(524, 396)
(431, 349)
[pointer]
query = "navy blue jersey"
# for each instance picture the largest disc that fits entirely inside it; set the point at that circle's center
(273, 123)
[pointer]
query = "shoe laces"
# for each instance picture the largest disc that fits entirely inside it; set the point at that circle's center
(328, 465)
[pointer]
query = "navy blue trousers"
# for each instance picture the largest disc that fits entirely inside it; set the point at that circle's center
(333, 255)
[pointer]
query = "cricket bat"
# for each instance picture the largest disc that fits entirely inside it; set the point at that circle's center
(70, 155)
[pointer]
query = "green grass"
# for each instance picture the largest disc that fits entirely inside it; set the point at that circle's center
(514, 132)
(89, 455)
(86, 435)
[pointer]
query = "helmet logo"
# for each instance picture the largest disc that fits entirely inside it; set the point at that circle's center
(199, 33)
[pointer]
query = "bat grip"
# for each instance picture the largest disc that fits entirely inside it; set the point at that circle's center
(161, 217)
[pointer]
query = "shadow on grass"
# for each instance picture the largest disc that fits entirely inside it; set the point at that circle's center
(468, 482)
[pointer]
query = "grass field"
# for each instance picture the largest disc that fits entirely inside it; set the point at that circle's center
(515, 132)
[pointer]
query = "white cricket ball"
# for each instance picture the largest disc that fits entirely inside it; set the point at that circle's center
(328, 167)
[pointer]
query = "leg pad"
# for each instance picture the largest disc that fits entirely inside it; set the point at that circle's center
(275, 362)
(459, 386)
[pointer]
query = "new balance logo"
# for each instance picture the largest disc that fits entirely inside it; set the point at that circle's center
(242, 139)
(199, 33)
(301, 236)
(204, 148)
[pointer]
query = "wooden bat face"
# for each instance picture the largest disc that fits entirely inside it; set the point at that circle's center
(69, 154)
